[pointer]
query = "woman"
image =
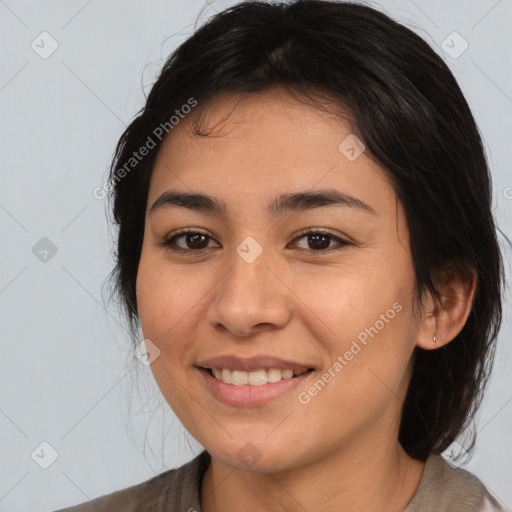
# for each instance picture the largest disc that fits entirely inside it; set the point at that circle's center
(306, 242)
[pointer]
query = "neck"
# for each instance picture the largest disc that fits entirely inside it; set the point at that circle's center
(382, 478)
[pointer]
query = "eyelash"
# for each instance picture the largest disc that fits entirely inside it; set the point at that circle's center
(169, 241)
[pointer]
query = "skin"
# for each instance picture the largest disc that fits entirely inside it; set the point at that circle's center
(293, 302)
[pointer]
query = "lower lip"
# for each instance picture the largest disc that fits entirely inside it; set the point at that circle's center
(246, 395)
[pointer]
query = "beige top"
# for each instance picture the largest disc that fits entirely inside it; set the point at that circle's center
(442, 488)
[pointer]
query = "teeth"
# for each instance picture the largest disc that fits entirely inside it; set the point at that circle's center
(286, 374)
(273, 375)
(255, 378)
(239, 378)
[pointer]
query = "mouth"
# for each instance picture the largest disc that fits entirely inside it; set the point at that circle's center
(252, 382)
(259, 377)
(256, 388)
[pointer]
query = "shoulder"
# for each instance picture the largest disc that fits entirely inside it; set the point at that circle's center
(174, 489)
(447, 488)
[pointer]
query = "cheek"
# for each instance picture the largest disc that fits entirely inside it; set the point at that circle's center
(162, 295)
(158, 308)
(363, 319)
(149, 298)
(164, 310)
(342, 302)
(171, 301)
(365, 372)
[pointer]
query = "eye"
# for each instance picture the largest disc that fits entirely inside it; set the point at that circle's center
(195, 241)
(320, 240)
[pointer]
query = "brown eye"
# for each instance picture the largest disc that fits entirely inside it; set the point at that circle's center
(192, 241)
(195, 241)
(318, 241)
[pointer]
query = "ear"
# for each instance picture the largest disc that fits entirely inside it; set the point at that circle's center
(439, 325)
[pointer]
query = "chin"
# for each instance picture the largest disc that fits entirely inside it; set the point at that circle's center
(256, 457)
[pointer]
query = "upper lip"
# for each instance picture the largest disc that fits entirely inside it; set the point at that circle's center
(252, 363)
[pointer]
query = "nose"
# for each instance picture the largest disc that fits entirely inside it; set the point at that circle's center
(250, 298)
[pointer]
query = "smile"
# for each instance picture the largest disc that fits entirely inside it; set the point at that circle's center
(254, 378)
(242, 394)
(254, 381)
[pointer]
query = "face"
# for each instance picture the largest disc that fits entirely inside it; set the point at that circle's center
(251, 283)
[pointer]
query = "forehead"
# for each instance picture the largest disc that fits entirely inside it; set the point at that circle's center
(255, 146)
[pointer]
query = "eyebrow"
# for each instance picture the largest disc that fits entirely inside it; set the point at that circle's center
(296, 202)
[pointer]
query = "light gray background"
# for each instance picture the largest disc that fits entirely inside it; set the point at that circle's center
(64, 358)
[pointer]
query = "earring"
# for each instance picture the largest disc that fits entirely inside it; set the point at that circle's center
(434, 338)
